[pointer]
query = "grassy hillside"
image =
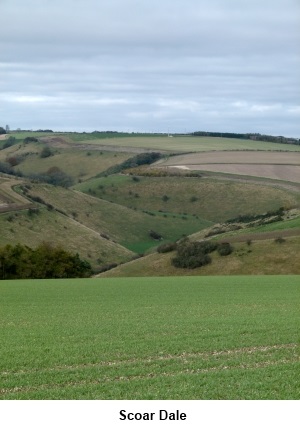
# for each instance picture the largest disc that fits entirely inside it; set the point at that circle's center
(263, 255)
(53, 227)
(126, 211)
(126, 226)
(160, 338)
(77, 163)
(210, 199)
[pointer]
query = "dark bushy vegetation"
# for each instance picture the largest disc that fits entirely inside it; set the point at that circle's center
(9, 142)
(225, 248)
(46, 261)
(6, 168)
(155, 235)
(193, 254)
(54, 176)
(107, 267)
(279, 240)
(166, 247)
(251, 136)
(250, 217)
(30, 139)
(137, 160)
(46, 152)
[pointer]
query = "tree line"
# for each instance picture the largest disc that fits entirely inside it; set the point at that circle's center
(44, 262)
(249, 136)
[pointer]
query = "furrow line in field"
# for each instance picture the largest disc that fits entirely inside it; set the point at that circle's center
(182, 356)
(265, 364)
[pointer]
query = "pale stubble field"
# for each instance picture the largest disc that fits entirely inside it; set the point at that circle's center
(274, 165)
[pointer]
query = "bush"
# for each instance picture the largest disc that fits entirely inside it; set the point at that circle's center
(33, 211)
(6, 168)
(193, 254)
(155, 235)
(30, 139)
(46, 152)
(224, 248)
(191, 262)
(46, 261)
(137, 160)
(54, 176)
(279, 240)
(14, 160)
(9, 142)
(167, 247)
(107, 267)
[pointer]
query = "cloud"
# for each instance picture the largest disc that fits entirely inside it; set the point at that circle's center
(174, 64)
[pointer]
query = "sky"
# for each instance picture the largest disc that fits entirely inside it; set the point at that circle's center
(151, 66)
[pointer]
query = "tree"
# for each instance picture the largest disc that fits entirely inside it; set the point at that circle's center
(9, 142)
(193, 254)
(2, 130)
(46, 152)
(46, 261)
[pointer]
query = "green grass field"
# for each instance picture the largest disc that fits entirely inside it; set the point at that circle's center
(78, 163)
(159, 338)
(208, 198)
(184, 143)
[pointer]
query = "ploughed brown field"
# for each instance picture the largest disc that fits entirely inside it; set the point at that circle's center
(274, 165)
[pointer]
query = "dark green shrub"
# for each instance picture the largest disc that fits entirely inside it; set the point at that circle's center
(33, 211)
(193, 254)
(9, 142)
(279, 240)
(155, 235)
(46, 152)
(191, 262)
(224, 249)
(167, 247)
(107, 267)
(30, 139)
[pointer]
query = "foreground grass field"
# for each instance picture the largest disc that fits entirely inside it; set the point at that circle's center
(159, 338)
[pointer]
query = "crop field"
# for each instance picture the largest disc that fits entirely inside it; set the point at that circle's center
(186, 143)
(159, 338)
(274, 165)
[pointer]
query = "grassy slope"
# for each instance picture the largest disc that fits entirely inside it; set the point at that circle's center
(161, 338)
(262, 257)
(216, 200)
(55, 228)
(79, 164)
(126, 226)
(192, 205)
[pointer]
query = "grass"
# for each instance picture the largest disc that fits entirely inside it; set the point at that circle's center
(187, 143)
(53, 227)
(159, 338)
(210, 199)
(124, 225)
(262, 257)
(77, 163)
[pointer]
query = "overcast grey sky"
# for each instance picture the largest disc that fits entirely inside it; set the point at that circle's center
(152, 66)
